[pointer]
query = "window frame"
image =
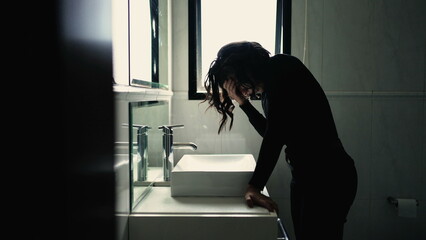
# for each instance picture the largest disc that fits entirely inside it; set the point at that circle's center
(282, 41)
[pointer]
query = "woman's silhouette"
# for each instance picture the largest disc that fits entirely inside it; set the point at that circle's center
(297, 115)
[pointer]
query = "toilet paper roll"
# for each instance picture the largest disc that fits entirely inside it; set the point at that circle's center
(407, 207)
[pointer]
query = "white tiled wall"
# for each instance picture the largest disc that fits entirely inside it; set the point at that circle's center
(370, 58)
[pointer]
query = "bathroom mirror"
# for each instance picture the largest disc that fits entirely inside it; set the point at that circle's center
(146, 159)
(149, 43)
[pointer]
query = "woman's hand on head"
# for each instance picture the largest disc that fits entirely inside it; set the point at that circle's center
(253, 197)
(230, 86)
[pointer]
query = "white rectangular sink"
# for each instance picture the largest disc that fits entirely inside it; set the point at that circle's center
(212, 175)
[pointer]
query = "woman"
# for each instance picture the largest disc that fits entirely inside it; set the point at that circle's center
(296, 114)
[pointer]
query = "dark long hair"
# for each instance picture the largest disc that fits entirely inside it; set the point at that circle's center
(246, 61)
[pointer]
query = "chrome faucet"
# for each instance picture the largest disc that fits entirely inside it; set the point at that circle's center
(142, 149)
(142, 141)
(169, 145)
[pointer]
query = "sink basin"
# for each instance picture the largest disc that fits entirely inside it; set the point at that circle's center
(212, 175)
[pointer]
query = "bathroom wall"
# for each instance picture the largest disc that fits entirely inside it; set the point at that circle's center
(369, 56)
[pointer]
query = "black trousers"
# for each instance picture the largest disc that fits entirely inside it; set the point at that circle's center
(321, 196)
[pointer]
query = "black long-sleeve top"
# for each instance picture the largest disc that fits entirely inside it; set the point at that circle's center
(297, 114)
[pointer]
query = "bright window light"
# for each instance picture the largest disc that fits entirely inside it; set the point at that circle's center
(140, 40)
(225, 21)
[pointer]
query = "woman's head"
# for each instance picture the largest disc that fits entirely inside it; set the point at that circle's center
(242, 62)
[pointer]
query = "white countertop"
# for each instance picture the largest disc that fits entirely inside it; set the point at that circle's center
(159, 216)
(159, 201)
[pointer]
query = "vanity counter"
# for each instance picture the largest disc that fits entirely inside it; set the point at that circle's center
(160, 216)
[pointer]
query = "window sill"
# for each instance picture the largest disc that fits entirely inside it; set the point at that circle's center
(134, 94)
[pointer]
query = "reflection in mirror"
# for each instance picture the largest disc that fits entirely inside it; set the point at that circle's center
(148, 40)
(146, 158)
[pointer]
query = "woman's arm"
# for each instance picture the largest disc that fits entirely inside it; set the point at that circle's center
(255, 117)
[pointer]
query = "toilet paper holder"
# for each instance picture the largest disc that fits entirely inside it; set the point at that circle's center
(394, 201)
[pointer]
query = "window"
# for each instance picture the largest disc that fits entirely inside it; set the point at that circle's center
(143, 42)
(213, 24)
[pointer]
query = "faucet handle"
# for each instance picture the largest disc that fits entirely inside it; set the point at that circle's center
(142, 129)
(168, 129)
(136, 125)
(139, 127)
